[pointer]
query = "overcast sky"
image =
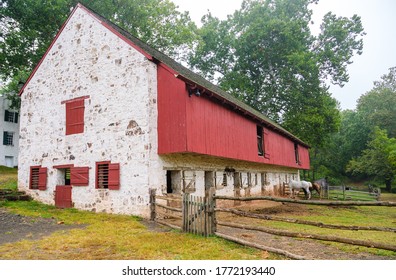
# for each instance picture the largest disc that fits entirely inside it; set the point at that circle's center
(379, 51)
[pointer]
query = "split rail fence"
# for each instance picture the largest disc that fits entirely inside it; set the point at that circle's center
(198, 215)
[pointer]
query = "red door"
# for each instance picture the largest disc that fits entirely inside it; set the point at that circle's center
(63, 196)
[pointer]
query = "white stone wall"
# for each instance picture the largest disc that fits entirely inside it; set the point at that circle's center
(88, 59)
(275, 175)
(8, 154)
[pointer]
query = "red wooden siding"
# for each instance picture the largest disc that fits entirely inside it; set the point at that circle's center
(75, 116)
(205, 126)
(79, 176)
(171, 113)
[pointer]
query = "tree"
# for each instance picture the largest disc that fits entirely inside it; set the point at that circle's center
(27, 27)
(378, 106)
(340, 147)
(378, 160)
(265, 55)
(13, 87)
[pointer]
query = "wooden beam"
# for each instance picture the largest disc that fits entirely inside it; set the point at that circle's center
(368, 244)
(296, 221)
(261, 247)
(311, 202)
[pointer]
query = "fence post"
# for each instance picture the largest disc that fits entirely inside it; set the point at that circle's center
(343, 192)
(185, 206)
(152, 204)
(211, 211)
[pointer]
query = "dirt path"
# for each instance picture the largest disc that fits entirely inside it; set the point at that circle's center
(14, 227)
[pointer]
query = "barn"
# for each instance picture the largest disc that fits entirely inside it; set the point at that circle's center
(105, 117)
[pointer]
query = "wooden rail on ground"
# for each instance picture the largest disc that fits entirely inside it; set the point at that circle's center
(303, 222)
(312, 236)
(311, 202)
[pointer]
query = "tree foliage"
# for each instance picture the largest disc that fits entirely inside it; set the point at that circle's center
(378, 160)
(378, 106)
(27, 27)
(266, 55)
(376, 110)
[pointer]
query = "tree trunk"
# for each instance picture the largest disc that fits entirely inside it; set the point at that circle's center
(388, 184)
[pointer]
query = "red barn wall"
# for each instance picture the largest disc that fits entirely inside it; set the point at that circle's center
(201, 125)
(172, 130)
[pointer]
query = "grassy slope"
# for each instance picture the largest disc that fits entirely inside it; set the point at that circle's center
(116, 237)
(111, 237)
(8, 178)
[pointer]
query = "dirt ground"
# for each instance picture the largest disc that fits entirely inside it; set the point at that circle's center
(14, 227)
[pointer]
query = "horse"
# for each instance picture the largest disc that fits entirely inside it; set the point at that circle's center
(322, 184)
(298, 185)
(315, 187)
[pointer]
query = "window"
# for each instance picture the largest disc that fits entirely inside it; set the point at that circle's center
(75, 115)
(224, 180)
(11, 116)
(260, 141)
(296, 155)
(107, 175)
(249, 179)
(173, 181)
(38, 178)
(8, 138)
(70, 175)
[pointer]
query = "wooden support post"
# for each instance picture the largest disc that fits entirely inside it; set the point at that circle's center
(237, 187)
(211, 211)
(152, 204)
(263, 182)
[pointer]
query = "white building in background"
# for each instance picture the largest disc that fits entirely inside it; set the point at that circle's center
(9, 133)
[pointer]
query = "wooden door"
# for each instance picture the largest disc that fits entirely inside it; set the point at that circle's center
(63, 196)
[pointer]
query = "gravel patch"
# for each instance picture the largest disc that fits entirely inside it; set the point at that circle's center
(15, 227)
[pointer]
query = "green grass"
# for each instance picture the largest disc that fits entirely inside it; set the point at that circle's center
(109, 236)
(8, 178)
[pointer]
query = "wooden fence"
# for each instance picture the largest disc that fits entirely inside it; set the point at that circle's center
(199, 216)
(347, 193)
(189, 213)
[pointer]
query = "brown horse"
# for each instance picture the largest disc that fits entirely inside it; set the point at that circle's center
(316, 187)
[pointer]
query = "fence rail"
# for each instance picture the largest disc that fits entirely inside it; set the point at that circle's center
(311, 202)
(347, 193)
(199, 217)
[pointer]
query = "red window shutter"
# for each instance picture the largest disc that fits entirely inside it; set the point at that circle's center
(79, 176)
(42, 178)
(75, 117)
(34, 177)
(266, 143)
(114, 176)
